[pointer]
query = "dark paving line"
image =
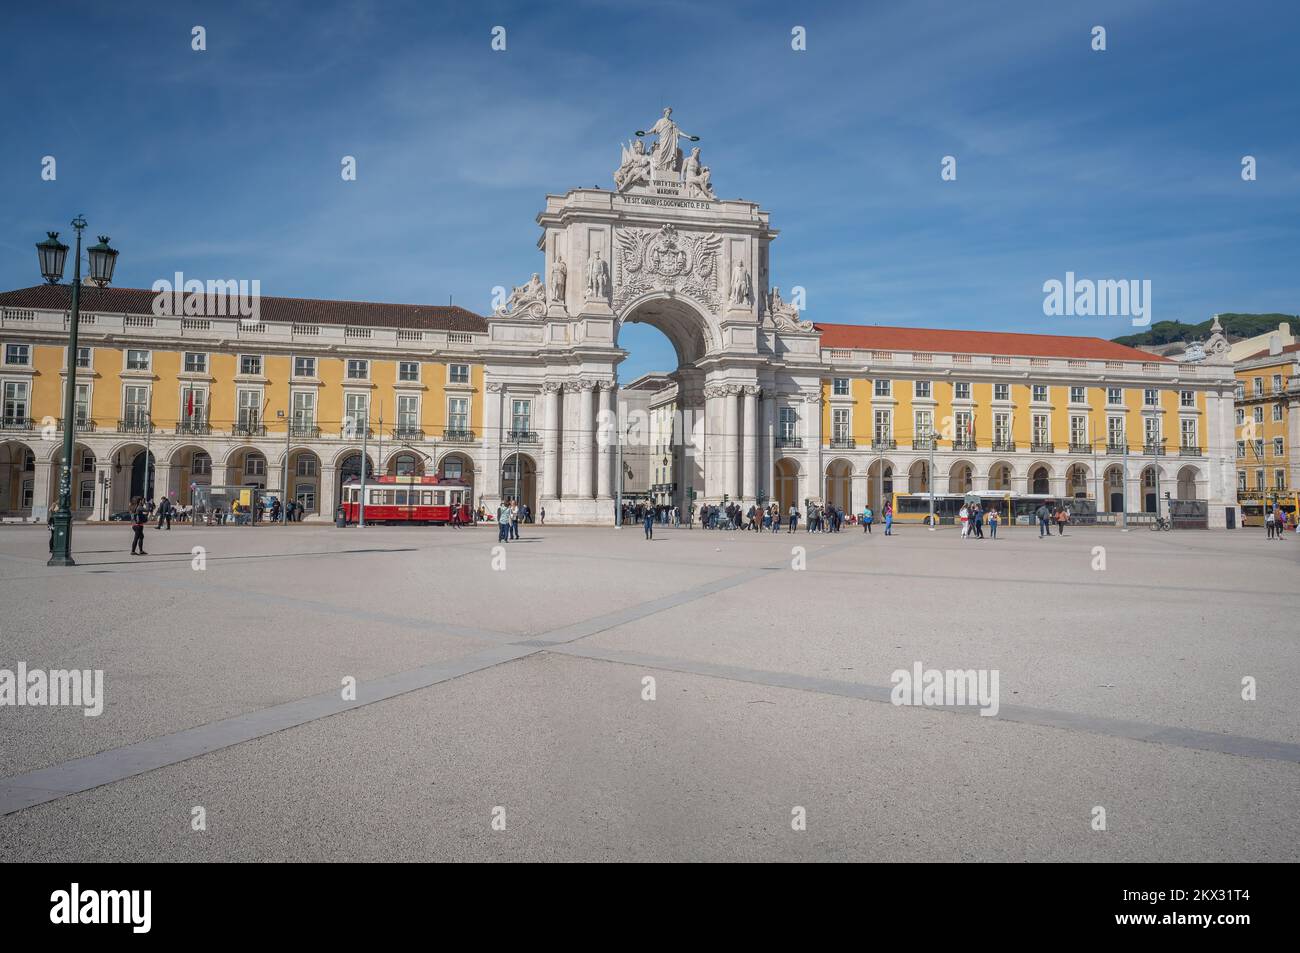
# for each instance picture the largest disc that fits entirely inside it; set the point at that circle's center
(81, 774)
(1246, 747)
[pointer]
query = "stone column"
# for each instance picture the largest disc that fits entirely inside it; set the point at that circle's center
(815, 475)
(44, 473)
(768, 457)
(552, 438)
(750, 460)
(325, 501)
(586, 438)
(162, 478)
(731, 440)
(609, 431)
(858, 492)
(713, 444)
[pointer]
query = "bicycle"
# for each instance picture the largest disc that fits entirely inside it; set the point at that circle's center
(1161, 524)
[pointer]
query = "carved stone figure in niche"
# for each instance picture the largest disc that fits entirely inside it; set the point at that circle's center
(597, 278)
(741, 287)
(697, 177)
(559, 275)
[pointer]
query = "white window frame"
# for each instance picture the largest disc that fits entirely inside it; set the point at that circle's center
(419, 372)
(314, 366)
(451, 374)
(881, 387)
(961, 390)
(126, 359)
(836, 384)
(1002, 392)
(261, 365)
(921, 390)
(347, 369)
(185, 361)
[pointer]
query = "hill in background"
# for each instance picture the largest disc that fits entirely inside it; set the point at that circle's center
(1235, 327)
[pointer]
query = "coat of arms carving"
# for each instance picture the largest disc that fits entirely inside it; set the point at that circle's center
(667, 260)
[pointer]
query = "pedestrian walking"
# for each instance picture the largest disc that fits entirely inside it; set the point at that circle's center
(868, 518)
(648, 522)
(1044, 514)
(139, 519)
(1062, 517)
(993, 524)
(889, 519)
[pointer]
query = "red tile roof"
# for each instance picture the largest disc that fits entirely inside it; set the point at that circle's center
(937, 340)
(293, 310)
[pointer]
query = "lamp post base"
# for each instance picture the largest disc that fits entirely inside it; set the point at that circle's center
(61, 539)
(61, 561)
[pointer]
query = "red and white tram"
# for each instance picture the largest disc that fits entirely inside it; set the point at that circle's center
(407, 499)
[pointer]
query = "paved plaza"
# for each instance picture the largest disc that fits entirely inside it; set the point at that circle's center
(510, 685)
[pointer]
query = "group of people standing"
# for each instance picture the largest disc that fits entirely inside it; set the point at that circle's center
(1277, 523)
(509, 515)
(974, 518)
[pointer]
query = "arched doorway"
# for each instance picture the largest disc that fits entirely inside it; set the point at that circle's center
(1150, 490)
(961, 478)
(406, 463)
(880, 487)
(1187, 480)
(349, 468)
(785, 480)
(83, 478)
(17, 478)
(1001, 477)
(839, 484)
(1114, 481)
(918, 477)
(1076, 481)
(458, 466)
(304, 480)
(247, 467)
(1040, 480)
(190, 465)
(142, 475)
(519, 480)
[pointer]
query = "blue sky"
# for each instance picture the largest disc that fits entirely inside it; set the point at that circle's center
(225, 164)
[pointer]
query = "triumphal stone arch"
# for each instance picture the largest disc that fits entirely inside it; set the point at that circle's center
(661, 248)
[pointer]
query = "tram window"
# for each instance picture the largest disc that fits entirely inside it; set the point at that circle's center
(455, 497)
(401, 497)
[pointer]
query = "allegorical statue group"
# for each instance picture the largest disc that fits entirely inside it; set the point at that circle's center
(663, 161)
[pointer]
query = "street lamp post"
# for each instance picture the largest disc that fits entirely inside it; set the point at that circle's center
(52, 254)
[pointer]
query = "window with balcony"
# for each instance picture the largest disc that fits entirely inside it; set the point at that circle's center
(1041, 430)
(135, 410)
(1241, 390)
(1078, 431)
(963, 429)
(16, 407)
(787, 424)
(1115, 436)
(137, 360)
(840, 427)
(356, 413)
(1151, 432)
(194, 401)
(408, 415)
(249, 416)
(1187, 433)
(521, 416)
(458, 414)
(883, 428)
(1259, 386)
(923, 427)
(1001, 431)
(1277, 383)
(18, 355)
(304, 413)
(196, 362)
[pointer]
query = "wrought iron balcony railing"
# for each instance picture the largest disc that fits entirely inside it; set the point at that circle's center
(964, 443)
(1038, 446)
(304, 430)
(1117, 448)
(1154, 449)
(1080, 447)
(922, 442)
(522, 436)
(843, 443)
(408, 433)
(197, 427)
(1189, 451)
(795, 442)
(134, 426)
(884, 443)
(82, 426)
(248, 430)
(1004, 446)
(15, 423)
(458, 436)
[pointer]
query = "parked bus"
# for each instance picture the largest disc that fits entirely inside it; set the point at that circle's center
(1254, 509)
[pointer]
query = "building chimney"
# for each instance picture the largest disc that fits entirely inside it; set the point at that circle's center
(1275, 343)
